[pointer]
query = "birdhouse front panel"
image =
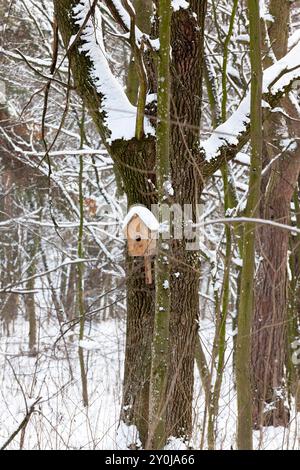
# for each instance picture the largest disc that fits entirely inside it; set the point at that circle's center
(140, 227)
(141, 241)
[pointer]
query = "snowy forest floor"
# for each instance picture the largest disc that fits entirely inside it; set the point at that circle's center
(62, 422)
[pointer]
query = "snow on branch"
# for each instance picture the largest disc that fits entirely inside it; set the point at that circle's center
(120, 114)
(124, 17)
(276, 80)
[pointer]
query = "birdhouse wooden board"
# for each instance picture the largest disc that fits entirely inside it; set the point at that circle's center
(140, 227)
(139, 238)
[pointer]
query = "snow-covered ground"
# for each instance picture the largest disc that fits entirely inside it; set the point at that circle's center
(62, 422)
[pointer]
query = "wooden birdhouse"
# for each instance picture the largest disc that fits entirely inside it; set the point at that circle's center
(140, 228)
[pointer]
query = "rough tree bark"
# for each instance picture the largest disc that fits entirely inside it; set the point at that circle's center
(140, 296)
(187, 37)
(268, 348)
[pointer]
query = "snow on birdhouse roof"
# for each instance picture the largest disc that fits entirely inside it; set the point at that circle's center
(144, 214)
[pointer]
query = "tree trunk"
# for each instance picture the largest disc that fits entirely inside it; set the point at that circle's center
(187, 180)
(269, 325)
(139, 331)
(270, 313)
(143, 9)
(139, 157)
(243, 351)
(268, 348)
(160, 345)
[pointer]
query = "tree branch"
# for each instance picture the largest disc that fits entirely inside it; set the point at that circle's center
(104, 97)
(230, 137)
(22, 425)
(123, 17)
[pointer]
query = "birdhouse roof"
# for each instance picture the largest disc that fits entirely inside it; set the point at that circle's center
(144, 214)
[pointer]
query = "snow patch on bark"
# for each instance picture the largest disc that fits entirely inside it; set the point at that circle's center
(177, 4)
(175, 443)
(127, 437)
